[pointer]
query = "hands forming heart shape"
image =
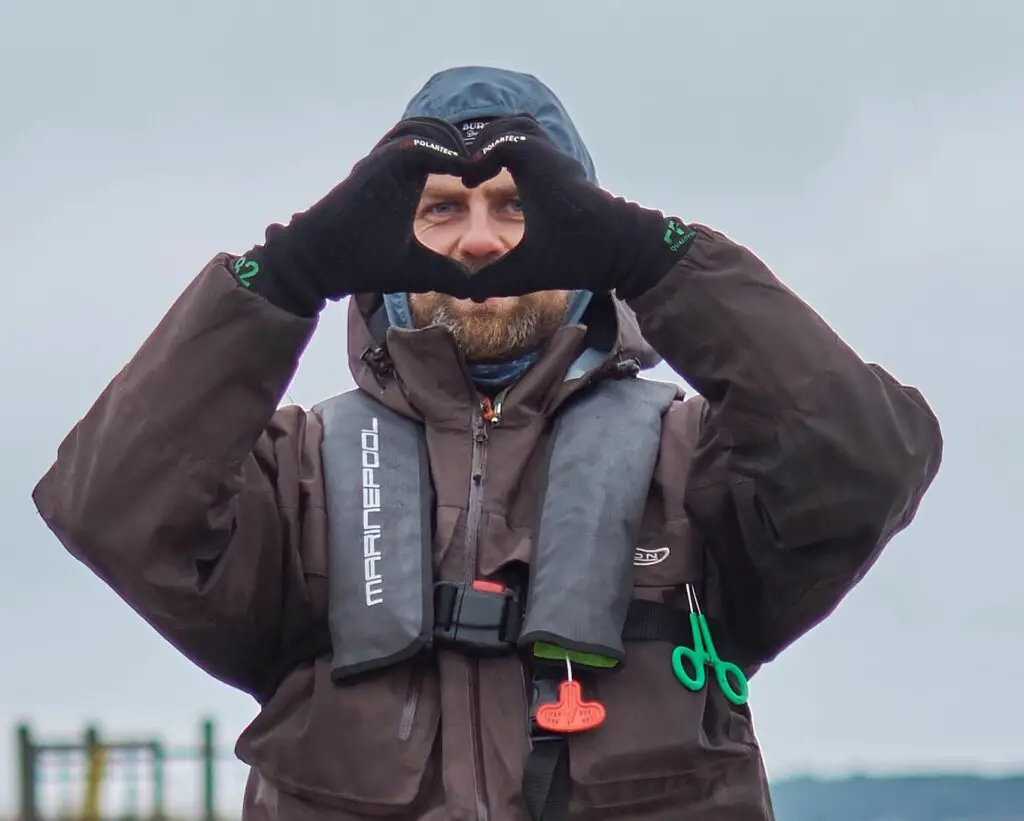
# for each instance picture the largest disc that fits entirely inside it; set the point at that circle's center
(576, 233)
(359, 237)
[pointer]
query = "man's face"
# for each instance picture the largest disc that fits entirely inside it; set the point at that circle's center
(476, 227)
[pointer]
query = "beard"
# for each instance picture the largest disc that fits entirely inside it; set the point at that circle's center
(495, 330)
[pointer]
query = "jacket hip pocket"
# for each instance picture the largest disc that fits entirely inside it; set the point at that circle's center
(366, 747)
(660, 743)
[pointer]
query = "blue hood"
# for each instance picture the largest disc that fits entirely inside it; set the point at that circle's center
(468, 92)
(463, 93)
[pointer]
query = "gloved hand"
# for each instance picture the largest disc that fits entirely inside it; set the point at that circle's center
(578, 236)
(359, 238)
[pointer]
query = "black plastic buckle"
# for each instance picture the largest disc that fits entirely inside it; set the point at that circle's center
(545, 691)
(480, 619)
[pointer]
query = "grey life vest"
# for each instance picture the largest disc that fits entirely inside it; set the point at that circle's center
(382, 592)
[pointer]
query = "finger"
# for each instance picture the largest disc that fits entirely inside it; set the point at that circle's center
(507, 276)
(529, 157)
(433, 145)
(430, 128)
(436, 272)
(452, 282)
(420, 156)
(520, 124)
(427, 157)
(504, 143)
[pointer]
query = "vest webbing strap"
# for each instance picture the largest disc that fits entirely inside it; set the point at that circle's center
(546, 784)
(645, 621)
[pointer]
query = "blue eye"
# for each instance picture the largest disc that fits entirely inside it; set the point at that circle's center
(438, 208)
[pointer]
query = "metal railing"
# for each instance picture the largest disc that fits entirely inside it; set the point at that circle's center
(80, 769)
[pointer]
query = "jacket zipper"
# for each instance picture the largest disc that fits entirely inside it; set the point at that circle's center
(486, 414)
(412, 702)
(476, 488)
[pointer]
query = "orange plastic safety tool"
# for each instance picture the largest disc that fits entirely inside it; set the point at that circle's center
(570, 714)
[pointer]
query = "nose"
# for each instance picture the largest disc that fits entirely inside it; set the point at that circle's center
(481, 242)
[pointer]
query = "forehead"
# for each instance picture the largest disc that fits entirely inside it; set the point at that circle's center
(446, 185)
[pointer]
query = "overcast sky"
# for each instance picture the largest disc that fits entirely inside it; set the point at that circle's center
(871, 154)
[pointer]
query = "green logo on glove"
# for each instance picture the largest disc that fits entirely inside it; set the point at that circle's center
(246, 269)
(677, 235)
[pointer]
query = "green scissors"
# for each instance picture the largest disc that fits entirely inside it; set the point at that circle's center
(704, 654)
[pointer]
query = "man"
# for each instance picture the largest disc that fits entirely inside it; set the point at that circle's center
(506, 579)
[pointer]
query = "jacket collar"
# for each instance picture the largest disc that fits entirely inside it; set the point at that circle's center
(422, 374)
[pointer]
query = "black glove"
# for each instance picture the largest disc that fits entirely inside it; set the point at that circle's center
(578, 236)
(359, 238)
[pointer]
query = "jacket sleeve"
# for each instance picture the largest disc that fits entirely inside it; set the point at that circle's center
(808, 460)
(177, 488)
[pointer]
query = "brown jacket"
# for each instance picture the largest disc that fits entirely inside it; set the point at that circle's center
(200, 501)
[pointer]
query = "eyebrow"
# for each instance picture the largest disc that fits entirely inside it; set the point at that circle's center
(434, 190)
(502, 191)
(444, 190)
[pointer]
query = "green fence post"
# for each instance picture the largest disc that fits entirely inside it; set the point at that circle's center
(209, 754)
(28, 804)
(94, 767)
(159, 757)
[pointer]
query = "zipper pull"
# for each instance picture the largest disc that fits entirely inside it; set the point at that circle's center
(487, 410)
(480, 427)
(491, 409)
(482, 420)
(479, 438)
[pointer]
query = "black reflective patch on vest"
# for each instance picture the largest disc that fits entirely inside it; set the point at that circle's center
(380, 505)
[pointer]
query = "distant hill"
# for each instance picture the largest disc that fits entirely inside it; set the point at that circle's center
(911, 798)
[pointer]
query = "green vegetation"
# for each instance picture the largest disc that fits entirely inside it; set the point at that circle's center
(911, 798)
